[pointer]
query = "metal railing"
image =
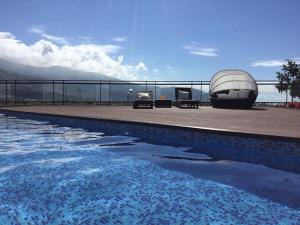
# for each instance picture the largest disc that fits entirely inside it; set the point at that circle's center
(55, 92)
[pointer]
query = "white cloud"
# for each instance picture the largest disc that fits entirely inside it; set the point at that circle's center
(172, 69)
(6, 35)
(120, 39)
(84, 57)
(273, 63)
(41, 31)
(155, 71)
(141, 66)
(84, 39)
(195, 49)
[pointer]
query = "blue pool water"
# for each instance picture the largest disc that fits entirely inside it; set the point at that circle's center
(60, 175)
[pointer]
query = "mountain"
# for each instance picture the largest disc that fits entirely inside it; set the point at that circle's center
(16, 71)
(71, 92)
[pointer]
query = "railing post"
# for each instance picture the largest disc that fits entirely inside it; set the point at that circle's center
(192, 87)
(201, 92)
(100, 94)
(96, 96)
(146, 86)
(6, 92)
(53, 93)
(15, 87)
(109, 92)
(63, 97)
(292, 91)
(154, 90)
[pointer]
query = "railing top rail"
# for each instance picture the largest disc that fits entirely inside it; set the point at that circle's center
(126, 81)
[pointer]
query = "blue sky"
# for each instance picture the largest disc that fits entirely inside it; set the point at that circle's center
(158, 39)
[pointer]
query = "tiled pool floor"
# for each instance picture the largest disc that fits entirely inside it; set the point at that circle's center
(60, 175)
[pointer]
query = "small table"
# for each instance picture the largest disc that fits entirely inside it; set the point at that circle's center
(143, 103)
(188, 103)
(163, 103)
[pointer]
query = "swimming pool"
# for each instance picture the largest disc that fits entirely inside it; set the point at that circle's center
(54, 174)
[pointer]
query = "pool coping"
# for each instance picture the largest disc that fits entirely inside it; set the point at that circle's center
(177, 127)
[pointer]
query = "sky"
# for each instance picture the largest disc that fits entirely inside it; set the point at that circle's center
(152, 39)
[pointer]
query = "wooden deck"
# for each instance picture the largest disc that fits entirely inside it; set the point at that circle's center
(267, 121)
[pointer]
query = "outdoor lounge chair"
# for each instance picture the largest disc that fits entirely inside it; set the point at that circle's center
(143, 100)
(232, 89)
(183, 98)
